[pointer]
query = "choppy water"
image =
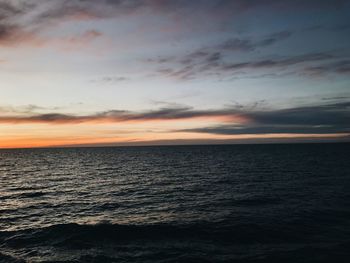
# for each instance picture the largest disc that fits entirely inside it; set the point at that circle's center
(238, 203)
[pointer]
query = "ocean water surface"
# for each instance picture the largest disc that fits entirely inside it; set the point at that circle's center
(224, 203)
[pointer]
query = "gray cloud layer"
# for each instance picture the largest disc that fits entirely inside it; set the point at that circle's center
(21, 22)
(22, 16)
(320, 119)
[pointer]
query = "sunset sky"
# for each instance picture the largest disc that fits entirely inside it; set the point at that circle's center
(129, 72)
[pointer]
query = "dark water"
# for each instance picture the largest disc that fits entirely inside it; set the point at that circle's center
(239, 203)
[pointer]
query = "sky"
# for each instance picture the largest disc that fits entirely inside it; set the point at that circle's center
(132, 72)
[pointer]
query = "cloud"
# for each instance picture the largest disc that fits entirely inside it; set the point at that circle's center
(86, 36)
(10, 29)
(8, 9)
(236, 130)
(162, 114)
(319, 119)
(111, 79)
(24, 109)
(220, 59)
(49, 10)
(21, 23)
(215, 53)
(243, 5)
(31, 16)
(237, 44)
(14, 36)
(337, 98)
(59, 9)
(214, 63)
(339, 67)
(284, 62)
(326, 27)
(235, 124)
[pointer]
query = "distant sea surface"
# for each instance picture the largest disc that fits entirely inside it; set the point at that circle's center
(228, 203)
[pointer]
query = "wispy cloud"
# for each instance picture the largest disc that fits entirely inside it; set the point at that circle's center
(110, 79)
(198, 63)
(215, 57)
(24, 109)
(284, 62)
(13, 36)
(247, 44)
(338, 67)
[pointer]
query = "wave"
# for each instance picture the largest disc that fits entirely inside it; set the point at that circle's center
(10, 259)
(23, 195)
(94, 242)
(85, 236)
(261, 201)
(32, 194)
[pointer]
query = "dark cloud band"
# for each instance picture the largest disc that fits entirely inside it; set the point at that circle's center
(319, 119)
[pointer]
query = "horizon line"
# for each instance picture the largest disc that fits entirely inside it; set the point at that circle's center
(268, 142)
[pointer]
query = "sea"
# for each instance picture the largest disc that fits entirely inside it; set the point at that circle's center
(210, 203)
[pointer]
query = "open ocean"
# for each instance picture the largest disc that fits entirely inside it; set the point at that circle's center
(225, 203)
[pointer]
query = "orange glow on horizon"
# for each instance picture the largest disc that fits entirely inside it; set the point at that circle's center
(35, 142)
